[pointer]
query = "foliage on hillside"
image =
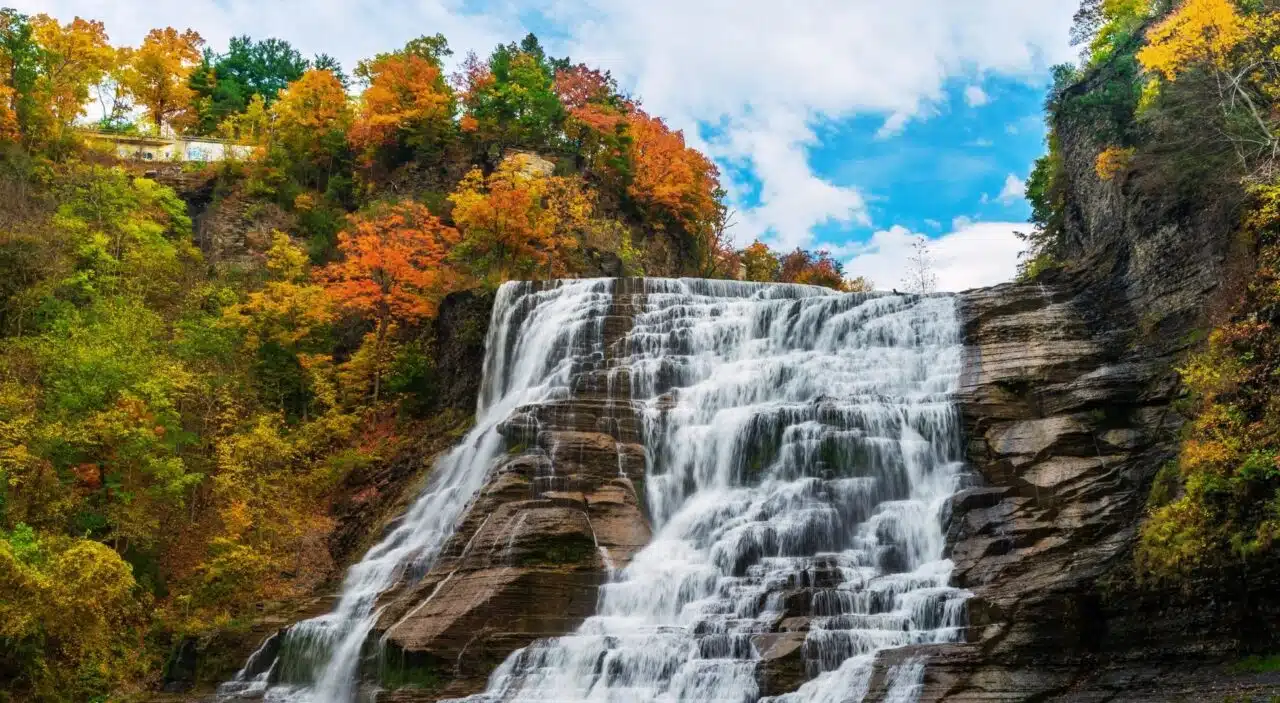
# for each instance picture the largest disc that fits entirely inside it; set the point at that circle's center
(1221, 501)
(1183, 101)
(175, 426)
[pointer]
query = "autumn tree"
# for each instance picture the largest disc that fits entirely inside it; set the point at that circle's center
(393, 268)
(407, 107)
(282, 323)
(69, 612)
(9, 127)
(676, 186)
(310, 123)
(159, 75)
(759, 263)
(811, 268)
(1238, 52)
(430, 48)
(75, 56)
(511, 100)
(517, 223)
(859, 284)
(596, 126)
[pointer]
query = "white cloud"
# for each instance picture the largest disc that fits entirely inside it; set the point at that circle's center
(975, 96)
(807, 62)
(973, 256)
(765, 74)
(961, 222)
(792, 198)
(893, 126)
(1014, 189)
(934, 224)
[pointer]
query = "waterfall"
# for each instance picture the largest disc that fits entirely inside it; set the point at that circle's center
(538, 335)
(800, 447)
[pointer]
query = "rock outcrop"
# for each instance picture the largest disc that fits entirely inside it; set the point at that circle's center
(526, 562)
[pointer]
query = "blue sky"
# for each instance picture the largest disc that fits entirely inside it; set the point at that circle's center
(954, 164)
(854, 125)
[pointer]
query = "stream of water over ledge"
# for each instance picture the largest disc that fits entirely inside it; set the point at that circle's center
(800, 447)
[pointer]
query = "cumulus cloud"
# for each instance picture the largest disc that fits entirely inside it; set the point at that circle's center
(807, 62)
(975, 96)
(975, 255)
(762, 74)
(1014, 189)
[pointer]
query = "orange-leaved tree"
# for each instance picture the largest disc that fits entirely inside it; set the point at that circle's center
(669, 175)
(9, 128)
(393, 268)
(516, 223)
(677, 185)
(159, 75)
(596, 126)
(407, 105)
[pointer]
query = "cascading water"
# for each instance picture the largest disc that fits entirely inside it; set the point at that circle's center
(802, 445)
(538, 336)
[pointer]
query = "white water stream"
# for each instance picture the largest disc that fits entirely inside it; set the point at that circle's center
(802, 445)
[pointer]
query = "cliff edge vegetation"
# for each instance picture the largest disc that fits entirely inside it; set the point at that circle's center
(1183, 99)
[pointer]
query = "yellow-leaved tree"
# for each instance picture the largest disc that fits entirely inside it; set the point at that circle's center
(517, 222)
(1198, 32)
(1241, 55)
(75, 57)
(159, 75)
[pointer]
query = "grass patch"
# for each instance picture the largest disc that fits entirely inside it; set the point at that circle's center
(1257, 664)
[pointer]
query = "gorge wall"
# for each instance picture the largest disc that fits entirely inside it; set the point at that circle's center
(1069, 399)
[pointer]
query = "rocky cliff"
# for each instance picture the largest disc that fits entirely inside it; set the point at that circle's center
(1068, 400)
(1069, 403)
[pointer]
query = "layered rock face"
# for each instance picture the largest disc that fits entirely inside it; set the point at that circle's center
(1068, 398)
(799, 444)
(559, 512)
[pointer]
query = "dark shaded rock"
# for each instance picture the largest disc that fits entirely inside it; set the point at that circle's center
(782, 666)
(180, 670)
(462, 323)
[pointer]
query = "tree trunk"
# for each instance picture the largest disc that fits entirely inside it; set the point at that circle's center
(377, 359)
